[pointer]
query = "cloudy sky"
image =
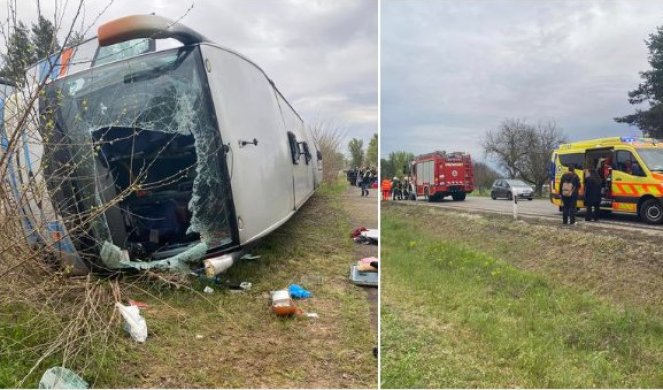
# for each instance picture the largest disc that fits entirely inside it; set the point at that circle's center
(322, 55)
(451, 70)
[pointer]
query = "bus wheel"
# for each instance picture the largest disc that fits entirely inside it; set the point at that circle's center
(651, 211)
(458, 196)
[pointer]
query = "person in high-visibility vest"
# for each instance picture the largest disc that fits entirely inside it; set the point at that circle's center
(386, 188)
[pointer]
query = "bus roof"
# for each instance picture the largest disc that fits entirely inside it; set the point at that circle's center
(611, 141)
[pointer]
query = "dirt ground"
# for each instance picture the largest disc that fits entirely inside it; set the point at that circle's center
(363, 211)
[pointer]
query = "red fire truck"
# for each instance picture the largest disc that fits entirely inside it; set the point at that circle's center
(436, 175)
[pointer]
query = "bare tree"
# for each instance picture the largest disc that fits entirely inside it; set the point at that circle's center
(329, 137)
(524, 150)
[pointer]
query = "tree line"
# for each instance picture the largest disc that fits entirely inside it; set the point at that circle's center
(26, 46)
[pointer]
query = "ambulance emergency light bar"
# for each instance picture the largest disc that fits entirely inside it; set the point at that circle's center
(146, 26)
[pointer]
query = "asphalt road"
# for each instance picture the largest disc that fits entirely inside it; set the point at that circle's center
(540, 208)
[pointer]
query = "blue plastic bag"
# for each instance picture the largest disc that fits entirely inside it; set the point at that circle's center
(298, 292)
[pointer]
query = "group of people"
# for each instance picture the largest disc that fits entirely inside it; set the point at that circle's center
(399, 188)
(569, 189)
(363, 178)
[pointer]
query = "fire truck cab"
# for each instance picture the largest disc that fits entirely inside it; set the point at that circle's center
(440, 174)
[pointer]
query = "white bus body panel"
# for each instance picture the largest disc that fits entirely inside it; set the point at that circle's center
(247, 107)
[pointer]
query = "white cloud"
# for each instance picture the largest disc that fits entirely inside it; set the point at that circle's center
(462, 67)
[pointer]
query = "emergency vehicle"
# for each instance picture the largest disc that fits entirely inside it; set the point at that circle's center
(440, 174)
(631, 170)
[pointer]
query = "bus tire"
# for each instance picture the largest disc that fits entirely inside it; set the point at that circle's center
(458, 196)
(651, 211)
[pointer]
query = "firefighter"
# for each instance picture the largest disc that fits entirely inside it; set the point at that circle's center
(386, 188)
(569, 185)
(406, 189)
(395, 187)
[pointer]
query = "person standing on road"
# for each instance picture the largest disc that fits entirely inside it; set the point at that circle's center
(569, 185)
(386, 188)
(593, 186)
(365, 181)
(406, 189)
(394, 187)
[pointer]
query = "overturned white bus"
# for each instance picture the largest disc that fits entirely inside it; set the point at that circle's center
(157, 149)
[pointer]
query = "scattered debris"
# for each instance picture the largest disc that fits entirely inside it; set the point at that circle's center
(216, 265)
(282, 304)
(367, 237)
(365, 274)
(134, 323)
(199, 336)
(237, 288)
(249, 256)
(298, 292)
(61, 378)
(312, 315)
(139, 304)
(208, 290)
(356, 232)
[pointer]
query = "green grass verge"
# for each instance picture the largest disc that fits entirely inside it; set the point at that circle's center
(456, 317)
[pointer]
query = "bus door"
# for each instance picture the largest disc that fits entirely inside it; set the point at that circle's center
(600, 160)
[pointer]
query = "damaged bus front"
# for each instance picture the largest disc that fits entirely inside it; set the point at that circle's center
(168, 157)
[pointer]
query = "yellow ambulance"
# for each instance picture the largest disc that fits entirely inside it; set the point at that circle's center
(631, 171)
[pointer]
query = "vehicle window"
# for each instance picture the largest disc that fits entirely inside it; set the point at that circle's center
(577, 159)
(626, 162)
(307, 153)
(123, 50)
(653, 159)
(295, 152)
(516, 183)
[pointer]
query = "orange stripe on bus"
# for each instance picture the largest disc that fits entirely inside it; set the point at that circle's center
(66, 58)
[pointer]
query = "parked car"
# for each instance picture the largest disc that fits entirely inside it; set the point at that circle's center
(505, 188)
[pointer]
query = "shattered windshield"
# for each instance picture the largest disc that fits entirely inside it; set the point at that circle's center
(139, 135)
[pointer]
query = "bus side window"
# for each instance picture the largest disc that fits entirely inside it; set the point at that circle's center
(295, 152)
(307, 153)
(627, 163)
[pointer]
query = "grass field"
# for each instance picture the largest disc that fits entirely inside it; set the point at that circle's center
(474, 301)
(230, 339)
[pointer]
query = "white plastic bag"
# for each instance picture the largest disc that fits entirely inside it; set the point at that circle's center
(61, 378)
(134, 323)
